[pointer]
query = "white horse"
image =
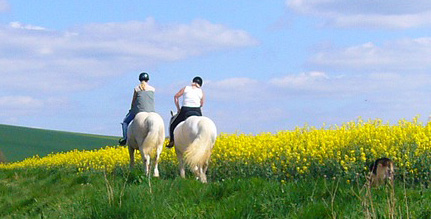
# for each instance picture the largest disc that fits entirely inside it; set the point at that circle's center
(146, 133)
(194, 139)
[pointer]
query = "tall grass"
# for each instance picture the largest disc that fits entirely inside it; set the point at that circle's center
(55, 193)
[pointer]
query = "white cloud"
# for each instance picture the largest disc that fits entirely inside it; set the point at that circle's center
(401, 55)
(13, 102)
(299, 81)
(4, 5)
(316, 97)
(237, 89)
(367, 13)
(19, 25)
(236, 83)
(307, 84)
(315, 85)
(21, 108)
(77, 58)
(163, 42)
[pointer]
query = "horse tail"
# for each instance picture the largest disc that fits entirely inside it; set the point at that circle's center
(199, 151)
(155, 134)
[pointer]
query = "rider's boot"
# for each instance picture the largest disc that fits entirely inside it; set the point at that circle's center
(122, 141)
(171, 143)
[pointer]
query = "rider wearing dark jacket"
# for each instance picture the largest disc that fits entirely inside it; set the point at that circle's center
(143, 101)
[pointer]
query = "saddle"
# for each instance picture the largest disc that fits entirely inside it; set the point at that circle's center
(192, 113)
(184, 117)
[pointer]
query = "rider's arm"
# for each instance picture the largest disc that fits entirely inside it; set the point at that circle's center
(176, 98)
(134, 98)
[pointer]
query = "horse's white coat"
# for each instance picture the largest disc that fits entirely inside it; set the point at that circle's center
(194, 139)
(146, 133)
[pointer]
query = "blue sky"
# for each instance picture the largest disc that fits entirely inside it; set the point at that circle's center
(267, 65)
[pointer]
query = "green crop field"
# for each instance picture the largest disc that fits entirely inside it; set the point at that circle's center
(18, 143)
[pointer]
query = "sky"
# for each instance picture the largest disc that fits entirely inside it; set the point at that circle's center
(267, 65)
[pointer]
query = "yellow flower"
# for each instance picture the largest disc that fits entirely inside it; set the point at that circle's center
(349, 147)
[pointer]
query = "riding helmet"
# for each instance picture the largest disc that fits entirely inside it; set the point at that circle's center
(144, 76)
(198, 80)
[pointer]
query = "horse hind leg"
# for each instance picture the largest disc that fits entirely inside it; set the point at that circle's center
(196, 171)
(181, 165)
(205, 167)
(156, 162)
(146, 160)
(201, 172)
(132, 156)
(202, 175)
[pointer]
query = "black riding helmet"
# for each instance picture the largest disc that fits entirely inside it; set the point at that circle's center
(198, 80)
(144, 76)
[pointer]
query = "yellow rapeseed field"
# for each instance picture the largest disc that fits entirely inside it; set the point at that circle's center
(344, 150)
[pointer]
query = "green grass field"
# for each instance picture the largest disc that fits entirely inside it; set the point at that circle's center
(18, 143)
(62, 193)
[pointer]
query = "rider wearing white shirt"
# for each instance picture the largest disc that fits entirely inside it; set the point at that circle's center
(192, 96)
(193, 100)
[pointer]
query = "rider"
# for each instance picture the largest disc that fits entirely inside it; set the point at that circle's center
(143, 101)
(193, 100)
